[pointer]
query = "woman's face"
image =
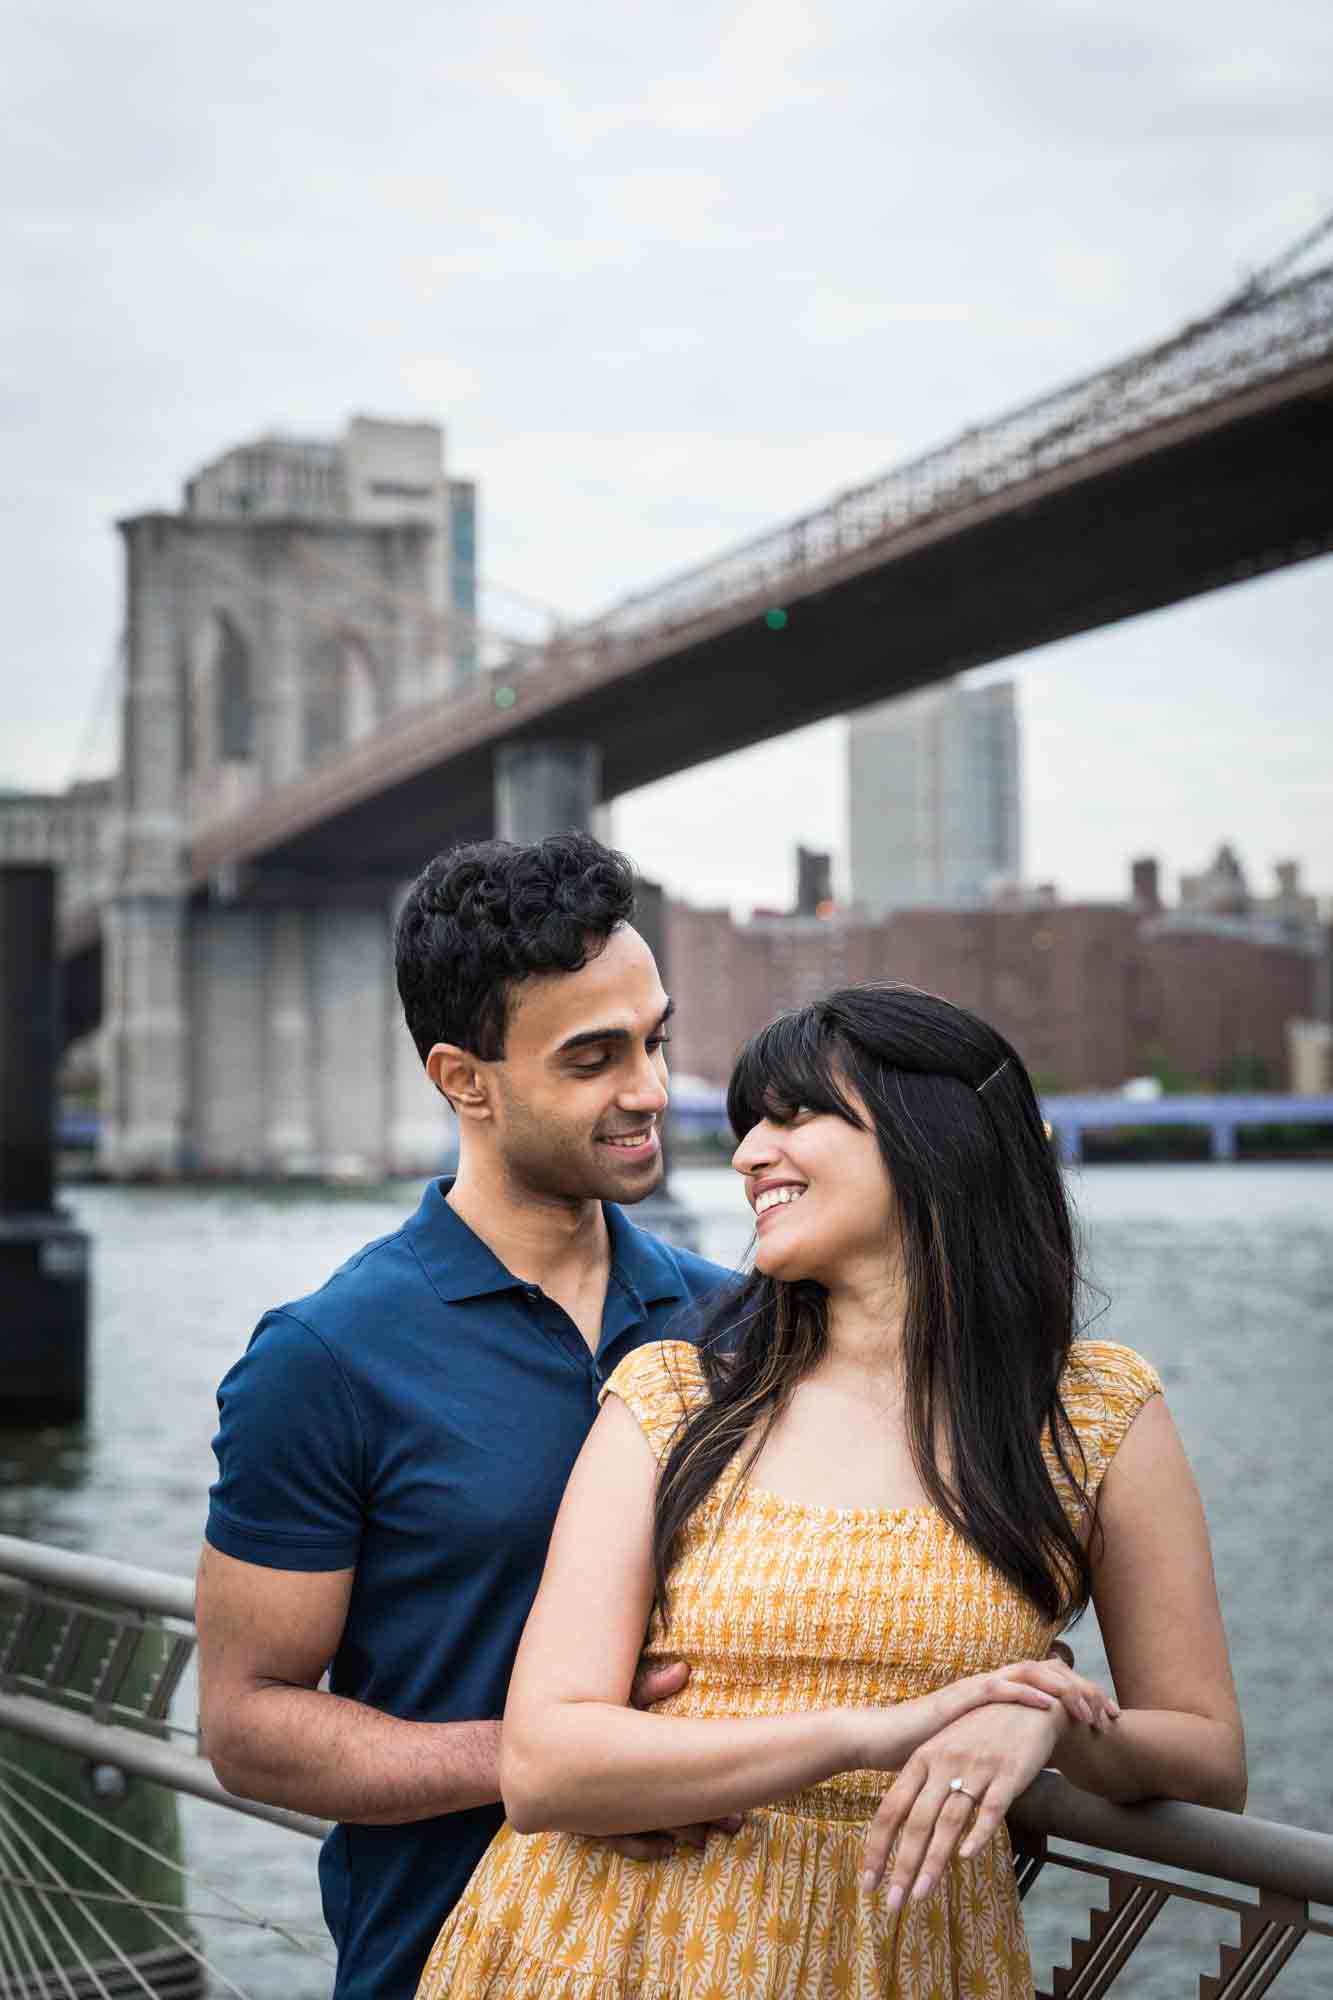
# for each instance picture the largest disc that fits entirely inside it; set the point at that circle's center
(822, 1199)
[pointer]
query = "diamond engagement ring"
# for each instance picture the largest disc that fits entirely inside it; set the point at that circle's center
(957, 1785)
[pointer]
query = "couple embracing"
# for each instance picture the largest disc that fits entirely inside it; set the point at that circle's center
(690, 1634)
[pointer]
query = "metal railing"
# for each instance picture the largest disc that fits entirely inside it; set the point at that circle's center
(96, 1902)
(1249, 342)
(93, 1654)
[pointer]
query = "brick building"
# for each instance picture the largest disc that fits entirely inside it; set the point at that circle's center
(1090, 993)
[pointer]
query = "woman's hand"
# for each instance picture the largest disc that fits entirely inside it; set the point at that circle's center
(1032, 1684)
(995, 1752)
(1081, 1699)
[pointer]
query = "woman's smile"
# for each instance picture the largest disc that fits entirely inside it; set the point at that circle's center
(771, 1195)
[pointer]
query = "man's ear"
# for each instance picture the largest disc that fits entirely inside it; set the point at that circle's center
(460, 1077)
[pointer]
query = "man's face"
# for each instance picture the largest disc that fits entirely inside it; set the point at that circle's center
(582, 1086)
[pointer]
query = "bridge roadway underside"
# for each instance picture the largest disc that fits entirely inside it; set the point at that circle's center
(1157, 524)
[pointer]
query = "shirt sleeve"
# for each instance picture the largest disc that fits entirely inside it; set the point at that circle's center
(659, 1384)
(1105, 1386)
(290, 1452)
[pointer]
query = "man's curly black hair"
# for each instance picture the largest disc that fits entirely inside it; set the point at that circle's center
(483, 917)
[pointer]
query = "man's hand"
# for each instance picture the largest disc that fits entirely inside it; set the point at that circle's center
(654, 1684)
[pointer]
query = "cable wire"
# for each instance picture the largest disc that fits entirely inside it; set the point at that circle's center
(179, 1939)
(300, 1941)
(44, 1904)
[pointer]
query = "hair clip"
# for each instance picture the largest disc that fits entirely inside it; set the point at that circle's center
(991, 1078)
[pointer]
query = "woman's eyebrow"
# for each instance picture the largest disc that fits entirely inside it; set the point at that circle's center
(586, 1037)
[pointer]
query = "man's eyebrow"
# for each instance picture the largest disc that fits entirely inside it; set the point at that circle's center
(587, 1037)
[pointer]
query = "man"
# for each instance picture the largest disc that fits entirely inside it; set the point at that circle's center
(393, 1449)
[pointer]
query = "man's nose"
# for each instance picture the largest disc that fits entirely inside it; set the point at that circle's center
(646, 1090)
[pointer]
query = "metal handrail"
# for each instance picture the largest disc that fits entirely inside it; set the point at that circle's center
(97, 1578)
(141, 1755)
(1290, 1867)
(1263, 1854)
(41, 1691)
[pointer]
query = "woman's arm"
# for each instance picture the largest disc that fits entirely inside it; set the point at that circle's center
(574, 1757)
(1179, 1734)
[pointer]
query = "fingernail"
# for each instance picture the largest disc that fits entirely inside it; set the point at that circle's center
(1084, 1709)
(966, 1850)
(896, 1896)
(923, 1887)
(868, 1883)
(1113, 1710)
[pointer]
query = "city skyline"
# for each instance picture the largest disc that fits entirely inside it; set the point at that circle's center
(664, 289)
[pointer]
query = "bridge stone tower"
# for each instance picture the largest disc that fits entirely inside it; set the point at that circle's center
(307, 594)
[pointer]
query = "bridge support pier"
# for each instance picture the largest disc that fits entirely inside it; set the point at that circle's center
(289, 1135)
(545, 787)
(145, 1082)
(144, 1061)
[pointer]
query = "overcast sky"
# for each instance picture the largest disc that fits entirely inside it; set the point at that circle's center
(667, 276)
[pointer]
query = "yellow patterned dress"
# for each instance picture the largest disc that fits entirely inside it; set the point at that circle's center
(788, 1607)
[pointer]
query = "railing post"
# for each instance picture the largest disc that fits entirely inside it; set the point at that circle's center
(1268, 1937)
(1114, 1934)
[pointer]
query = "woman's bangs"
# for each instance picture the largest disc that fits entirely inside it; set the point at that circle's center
(791, 1064)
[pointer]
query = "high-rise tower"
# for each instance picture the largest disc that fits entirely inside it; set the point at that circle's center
(933, 798)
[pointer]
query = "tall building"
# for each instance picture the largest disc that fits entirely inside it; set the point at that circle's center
(933, 799)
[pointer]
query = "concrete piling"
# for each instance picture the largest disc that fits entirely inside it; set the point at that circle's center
(43, 1255)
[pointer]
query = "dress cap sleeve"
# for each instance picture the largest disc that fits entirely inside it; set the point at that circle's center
(659, 1384)
(1104, 1387)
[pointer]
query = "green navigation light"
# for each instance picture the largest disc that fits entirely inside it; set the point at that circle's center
(775, 620)
(505, 697)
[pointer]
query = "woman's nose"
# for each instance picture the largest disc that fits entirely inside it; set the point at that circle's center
(756, 1150)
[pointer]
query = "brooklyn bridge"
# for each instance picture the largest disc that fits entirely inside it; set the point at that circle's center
(234, 949)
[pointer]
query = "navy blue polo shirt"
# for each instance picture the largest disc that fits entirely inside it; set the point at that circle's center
(416, 1419)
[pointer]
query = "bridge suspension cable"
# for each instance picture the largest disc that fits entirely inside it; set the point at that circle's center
(95, 752)
(1260, 284)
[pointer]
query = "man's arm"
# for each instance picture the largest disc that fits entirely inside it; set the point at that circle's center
(270, 1733)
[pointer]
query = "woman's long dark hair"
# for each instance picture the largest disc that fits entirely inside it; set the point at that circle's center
(991, 1280)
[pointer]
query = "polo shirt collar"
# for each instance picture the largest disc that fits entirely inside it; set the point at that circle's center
(460, 1266)
(640, 1260)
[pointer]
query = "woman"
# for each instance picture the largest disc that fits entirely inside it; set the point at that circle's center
(861, 1507)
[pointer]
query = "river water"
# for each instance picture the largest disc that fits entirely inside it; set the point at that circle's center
(1221, 1275)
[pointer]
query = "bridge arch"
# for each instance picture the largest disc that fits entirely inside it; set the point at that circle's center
(233, 692)
(219, 709)
(342, 692)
